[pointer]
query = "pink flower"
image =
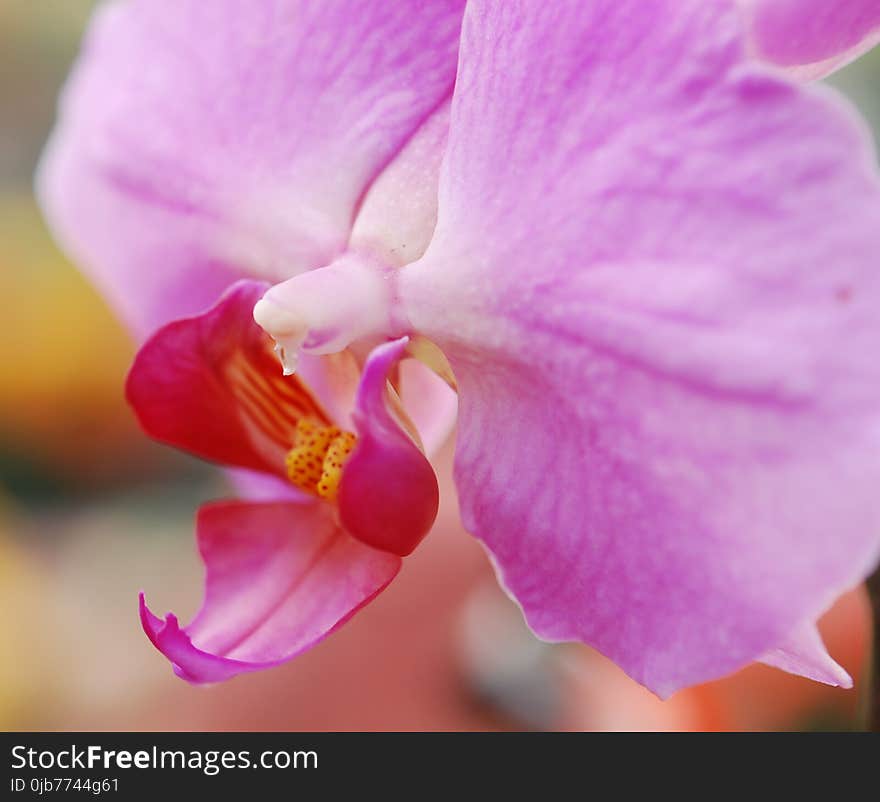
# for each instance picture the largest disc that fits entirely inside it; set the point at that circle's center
(812, 38)
(647, 264)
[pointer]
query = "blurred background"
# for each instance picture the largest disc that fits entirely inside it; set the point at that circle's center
(91, 512)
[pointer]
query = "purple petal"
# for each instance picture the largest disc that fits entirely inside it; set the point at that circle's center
(279, 579)
(812, 37)
(203, 142)
(655, 276)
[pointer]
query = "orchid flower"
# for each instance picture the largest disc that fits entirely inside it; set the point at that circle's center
(811, 38)
(646, 263)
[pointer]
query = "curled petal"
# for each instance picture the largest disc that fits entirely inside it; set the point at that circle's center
(203, 142)
(388, 497)
(212, 385)
(279, 578)
(812, 38)
(659, 302)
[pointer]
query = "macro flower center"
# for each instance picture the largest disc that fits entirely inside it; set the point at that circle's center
(318, 456)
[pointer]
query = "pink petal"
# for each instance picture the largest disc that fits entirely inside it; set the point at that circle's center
(202, 142)
(804, 653)
(212, 385)
(655, 276)
(280, 578)
(812, 38)
(389, 496)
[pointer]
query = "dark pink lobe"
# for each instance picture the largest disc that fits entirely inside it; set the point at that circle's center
(388, 497)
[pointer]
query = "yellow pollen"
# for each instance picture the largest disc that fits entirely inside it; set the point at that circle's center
(317, 458)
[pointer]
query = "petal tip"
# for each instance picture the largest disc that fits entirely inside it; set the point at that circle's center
(805, 655)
